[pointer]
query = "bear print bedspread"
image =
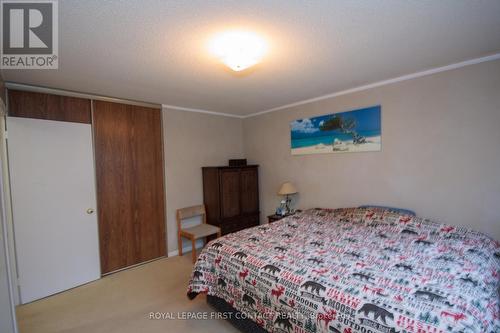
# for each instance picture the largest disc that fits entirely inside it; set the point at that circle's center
(356, 270)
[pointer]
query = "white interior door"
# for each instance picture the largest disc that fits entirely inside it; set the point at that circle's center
(53, 185)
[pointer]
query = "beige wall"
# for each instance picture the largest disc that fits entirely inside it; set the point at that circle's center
(440, 150)
(193, 140)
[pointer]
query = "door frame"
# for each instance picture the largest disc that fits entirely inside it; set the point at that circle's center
(6, 221)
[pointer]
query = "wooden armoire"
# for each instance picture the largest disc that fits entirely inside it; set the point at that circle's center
(231, 197)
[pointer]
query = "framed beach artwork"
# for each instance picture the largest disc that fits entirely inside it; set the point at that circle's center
(344, 132)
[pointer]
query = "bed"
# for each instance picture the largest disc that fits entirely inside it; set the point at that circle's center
(354, 270)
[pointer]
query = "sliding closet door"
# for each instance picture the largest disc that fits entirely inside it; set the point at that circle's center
(53, 199)
(130, 187)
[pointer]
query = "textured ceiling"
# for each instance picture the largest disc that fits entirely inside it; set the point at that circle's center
(154, 51)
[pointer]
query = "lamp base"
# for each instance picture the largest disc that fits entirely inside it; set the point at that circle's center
(287, 205)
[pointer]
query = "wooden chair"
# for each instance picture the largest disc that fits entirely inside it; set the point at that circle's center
(193, 233)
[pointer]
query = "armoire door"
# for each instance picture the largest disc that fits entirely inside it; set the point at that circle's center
(230, 192)
(53, 197)
(130, 187)
(249, 190)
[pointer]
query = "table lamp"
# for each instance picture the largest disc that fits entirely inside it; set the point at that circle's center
(287, 189)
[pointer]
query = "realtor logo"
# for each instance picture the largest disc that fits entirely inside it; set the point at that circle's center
(29, 34)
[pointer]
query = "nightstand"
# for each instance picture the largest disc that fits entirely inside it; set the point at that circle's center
(274, 217)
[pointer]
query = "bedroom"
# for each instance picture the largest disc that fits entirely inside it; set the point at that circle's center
(343, 104)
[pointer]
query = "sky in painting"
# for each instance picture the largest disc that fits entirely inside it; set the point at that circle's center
(367, 120)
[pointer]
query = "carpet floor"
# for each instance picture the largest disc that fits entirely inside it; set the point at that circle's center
(122, 302)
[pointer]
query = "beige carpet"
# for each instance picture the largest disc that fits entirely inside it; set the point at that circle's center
(122, 302)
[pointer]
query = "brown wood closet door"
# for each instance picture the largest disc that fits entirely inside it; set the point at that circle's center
(27, 104)
(230, 192)
(130, 187)
(249, 191)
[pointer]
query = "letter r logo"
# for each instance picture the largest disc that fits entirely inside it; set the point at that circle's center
(27, 27)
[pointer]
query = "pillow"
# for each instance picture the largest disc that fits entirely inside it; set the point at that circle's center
(397, 210)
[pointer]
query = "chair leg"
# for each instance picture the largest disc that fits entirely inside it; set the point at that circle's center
(179, 239)
(193, 242)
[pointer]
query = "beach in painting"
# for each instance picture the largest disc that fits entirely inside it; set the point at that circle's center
(345, 132)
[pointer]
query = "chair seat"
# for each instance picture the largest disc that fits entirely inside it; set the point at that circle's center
(201, 230)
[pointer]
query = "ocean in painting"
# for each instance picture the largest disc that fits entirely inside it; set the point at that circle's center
(343, 132)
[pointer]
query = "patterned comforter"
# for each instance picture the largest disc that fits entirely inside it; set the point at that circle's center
(356, 270)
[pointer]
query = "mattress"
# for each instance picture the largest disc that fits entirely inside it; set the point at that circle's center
(355, 270)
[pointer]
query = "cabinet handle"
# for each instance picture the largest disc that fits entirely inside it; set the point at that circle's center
(90, 211)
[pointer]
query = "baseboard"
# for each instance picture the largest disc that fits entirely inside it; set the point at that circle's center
(185, 249)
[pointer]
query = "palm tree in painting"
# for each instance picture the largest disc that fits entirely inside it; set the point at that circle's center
(344, 125)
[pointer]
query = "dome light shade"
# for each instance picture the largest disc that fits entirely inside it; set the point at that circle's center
(238, 49)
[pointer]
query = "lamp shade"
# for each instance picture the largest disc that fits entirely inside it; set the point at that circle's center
(287, 188)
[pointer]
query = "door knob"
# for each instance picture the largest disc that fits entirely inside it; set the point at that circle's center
(90, 211)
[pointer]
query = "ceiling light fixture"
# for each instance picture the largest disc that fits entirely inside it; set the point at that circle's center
(238, 49)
